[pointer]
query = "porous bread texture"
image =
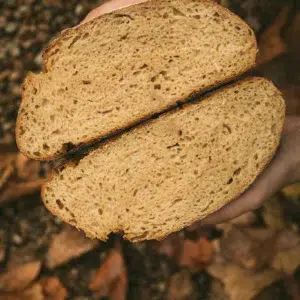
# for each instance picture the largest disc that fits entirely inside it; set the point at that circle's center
(123, 67)
(175, 170)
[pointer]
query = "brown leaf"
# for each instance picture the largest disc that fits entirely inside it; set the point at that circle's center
(171, 246)
(27, 169)
(273, 214)
(217, 291)
(19, 176)
(270, 43)
(245, 247)
(111, 279)
(6, 168)
(241, 283)
(53, 289)
(292, 191)
(287, 258)
(32, 293)
(17, 190)
(20, 278)
(181, 287)
(196, 254)
(66, 245)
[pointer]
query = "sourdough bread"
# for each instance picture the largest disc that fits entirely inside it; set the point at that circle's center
(125, 66)
(174, 170)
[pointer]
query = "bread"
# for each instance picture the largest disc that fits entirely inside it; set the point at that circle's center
(125, 66)
(168, 173)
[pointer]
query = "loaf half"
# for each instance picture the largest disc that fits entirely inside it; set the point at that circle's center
(123, 67)
(174, 170)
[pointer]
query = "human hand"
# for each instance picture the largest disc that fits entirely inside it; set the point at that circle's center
(283, 170)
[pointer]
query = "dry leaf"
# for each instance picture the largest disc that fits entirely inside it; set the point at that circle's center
(287, 258)
(270, 43)
(241, 283)
(181, 287)
(111, 279)
(273, 214)
(217, 291)
(6, 168)
(32, 293)
(66, 245)
(292, 191)
(171, 246)
(196, 254)
(19, 176)
(20, 278)
(17, 190)
(53, 289)
(245, 247)
(27, 169)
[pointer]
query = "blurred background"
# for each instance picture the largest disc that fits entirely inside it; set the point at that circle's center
(256, 256)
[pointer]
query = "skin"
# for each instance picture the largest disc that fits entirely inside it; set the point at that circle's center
(283, 170)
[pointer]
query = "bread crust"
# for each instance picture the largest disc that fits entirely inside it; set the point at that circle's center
(51, 50)
(247, 182)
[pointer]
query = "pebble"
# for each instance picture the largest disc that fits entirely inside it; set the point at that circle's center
(17, 239)
(11, 27)
(79, 9)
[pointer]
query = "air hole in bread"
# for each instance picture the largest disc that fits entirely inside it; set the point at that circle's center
(256, 156)
(100, 211)
(230, 181)
(237, 172)
(226, 129)
(37, 153)
(59, 204)
(177, 201)
(46, 147)
(157, 86)
(56, 132)
(45, 101)
(86, 82)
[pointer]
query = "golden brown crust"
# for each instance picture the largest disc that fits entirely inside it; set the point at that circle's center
(53, 49)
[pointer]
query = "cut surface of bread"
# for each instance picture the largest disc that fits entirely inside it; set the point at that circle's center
(125, 66)
(174, 170)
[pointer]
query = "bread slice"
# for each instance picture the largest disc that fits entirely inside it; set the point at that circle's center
(174, 170)
(125, 66)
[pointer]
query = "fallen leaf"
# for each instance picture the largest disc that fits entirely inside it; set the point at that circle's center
(241, 283)
(270, 43)
(217, 290)
(244, 220)
(27, 169)
(53, 289)
(287, 239)
(6, 168)
(171, 246)
(66, 245)
(287, 261)
(181, 286)
(245, 247)
(292, 191)
(111, 278)
(17, 190)
(19, 176)
(272, 214)
(196, 254)
(32, 293)
(19, 278)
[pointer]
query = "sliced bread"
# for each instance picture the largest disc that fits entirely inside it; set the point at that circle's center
(125, 66)
(174, 170)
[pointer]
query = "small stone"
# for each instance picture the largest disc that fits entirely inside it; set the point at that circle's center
(79, 9)
(17, 239)
(11, 27)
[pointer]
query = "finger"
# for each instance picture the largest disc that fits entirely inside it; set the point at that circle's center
(109, 7)
(271, 180)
